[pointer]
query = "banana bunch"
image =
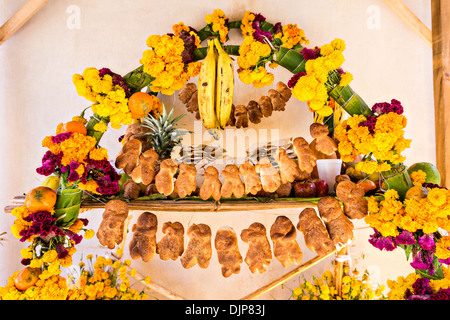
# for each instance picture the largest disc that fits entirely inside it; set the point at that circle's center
(215, 87)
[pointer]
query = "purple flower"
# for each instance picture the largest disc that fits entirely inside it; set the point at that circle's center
(310, 54)
(385, 107)
(259, 34)
(443, 294)
(61, 137)
(369, 123)
(422, 286)
(74, 236)
(380, 242)
(61, 250)
(423, 260)
(189, 46)
(293, 81)
(432, 186)
(405, 238)
(426, 242)
(49, 163)
(277, 28)
(42, 226)
(73, 175)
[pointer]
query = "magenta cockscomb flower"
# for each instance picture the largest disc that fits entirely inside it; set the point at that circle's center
(50, 162)
(386, 107)
(61, 137)
(405, 238)
(426, 242)
(310, 54)
(382, 243)
(369, 123)
(42, 226)
(294, 79)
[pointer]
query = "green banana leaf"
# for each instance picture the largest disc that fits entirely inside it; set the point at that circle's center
(67, 207)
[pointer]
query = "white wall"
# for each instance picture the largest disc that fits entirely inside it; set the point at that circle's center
(388, 60)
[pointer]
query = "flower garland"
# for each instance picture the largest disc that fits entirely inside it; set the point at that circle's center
(379, 135)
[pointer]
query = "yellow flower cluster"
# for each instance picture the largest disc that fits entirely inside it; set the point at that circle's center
(109, 100)
(20, 224)
(109, 280)
(291, 35)
(250, 53)
(246, 24)
(46, 288)
(398, 287)
(442, 245)
(218, 21)
(89, 84)
(418, 177)
(385, 143)
(353, 288)
(164, 63)
(76, 148)
(427, 214)
(311, 87)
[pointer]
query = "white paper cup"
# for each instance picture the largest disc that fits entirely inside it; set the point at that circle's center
(328, 169)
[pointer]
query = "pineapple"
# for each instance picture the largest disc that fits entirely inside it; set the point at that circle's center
(163, 133)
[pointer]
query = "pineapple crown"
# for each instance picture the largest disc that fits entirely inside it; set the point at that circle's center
(164, 133)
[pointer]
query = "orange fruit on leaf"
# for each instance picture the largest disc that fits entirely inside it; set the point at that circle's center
(141, 103)
(74, 126)
(367, 184)
(26, 278)
(40, 199)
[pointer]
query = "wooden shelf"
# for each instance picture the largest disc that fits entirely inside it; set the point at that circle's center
(194, 205)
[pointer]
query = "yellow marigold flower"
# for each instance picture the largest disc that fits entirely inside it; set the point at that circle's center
(79, 119)
(89, 234)
(90, 186)
(119, 252)
(100, 126)
(177, 28)
(346, 78)
(418, 177)
(437, 196)
(147, 279)
(98, 154)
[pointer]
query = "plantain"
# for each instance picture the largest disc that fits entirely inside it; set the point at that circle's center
(224, 85)
(207, 89)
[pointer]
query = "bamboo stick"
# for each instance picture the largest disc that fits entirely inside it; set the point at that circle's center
(20, 18)
(192, 205)
(157, 288)
(441, 86)
(410, 19)
(272, 285)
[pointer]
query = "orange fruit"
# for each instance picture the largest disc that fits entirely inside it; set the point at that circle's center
(141, 103)
(26, 278)
(367, 184)
(40, 199)
(74, 126)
